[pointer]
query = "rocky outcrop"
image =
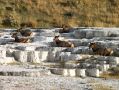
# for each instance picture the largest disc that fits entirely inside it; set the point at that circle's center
(93, 72)
(99, 32)
(27, 71)
(31, 56)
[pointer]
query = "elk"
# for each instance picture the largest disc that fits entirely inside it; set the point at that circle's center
(24, 32)
(60, 43)
(65, 29)
(99, 50)
(20, 39)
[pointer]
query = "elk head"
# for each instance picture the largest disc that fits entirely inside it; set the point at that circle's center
(92, 45)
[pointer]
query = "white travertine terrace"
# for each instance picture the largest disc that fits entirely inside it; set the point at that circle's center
(42, 49)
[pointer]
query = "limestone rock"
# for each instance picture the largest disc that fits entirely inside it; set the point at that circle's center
(64, 72)
(43, 55)
(114, 60)
(81, 72)
(6, 39)
(69, 72)
(57, 71)
(104, 67)
(20, 56)
(9, 52)
(33, 56)
(81, 50)
(90, 33)
(26, 48)
(6, 60)
(3, 53)
(93, 72)
(54, 53)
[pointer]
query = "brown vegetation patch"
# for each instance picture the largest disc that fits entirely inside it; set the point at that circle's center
(77, 13)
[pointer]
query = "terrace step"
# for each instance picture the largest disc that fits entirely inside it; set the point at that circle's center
(21, 71)
(77, 61)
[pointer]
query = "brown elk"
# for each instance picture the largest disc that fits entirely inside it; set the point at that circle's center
(99, 50)
(24, 32)
(20, 39)
(60, 43)
(65, 29)
(19, 33)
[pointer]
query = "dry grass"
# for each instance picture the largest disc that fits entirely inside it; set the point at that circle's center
(110, 76)
(49, 13)
(113, 73)
(101, 87)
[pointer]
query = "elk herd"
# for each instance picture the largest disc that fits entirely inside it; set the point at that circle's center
(23, 36)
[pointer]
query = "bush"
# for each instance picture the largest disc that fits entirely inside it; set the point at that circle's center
(9, 22)
(32, 24)
(23, 24)
(68, 14)
(113, 2)
(9, 8)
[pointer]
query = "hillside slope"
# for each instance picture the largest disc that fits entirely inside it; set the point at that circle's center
(54, 13)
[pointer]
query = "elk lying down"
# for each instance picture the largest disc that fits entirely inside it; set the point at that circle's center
(100, 50)
(60, 43)
(25, 32)
(20, 39)
(65, 29)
